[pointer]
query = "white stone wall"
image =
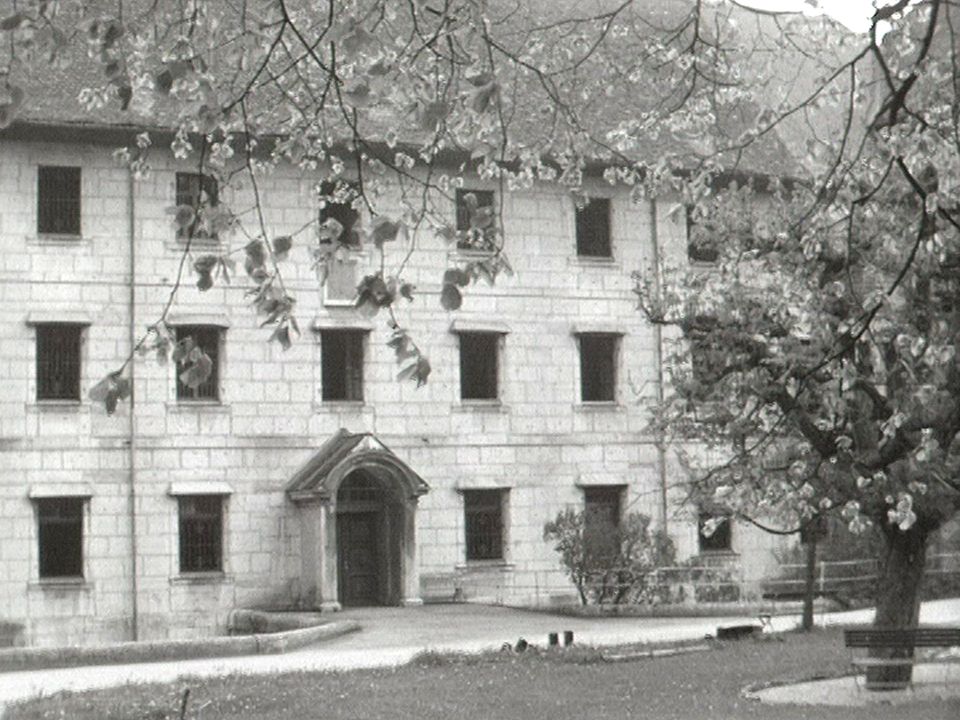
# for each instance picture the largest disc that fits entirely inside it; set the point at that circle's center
(539, 441)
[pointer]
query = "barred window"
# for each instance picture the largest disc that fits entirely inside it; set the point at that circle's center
(598, 352)
(342, 364)
(476, 224)
(337, 204)
(58, 361)
(207, 338)
(593, 229)
(700, 247)
(58, 200)
(479, 365)
(199, 192)
(60, 536)
(483, 521)
(201, 533)
(601, 517)
(714, 532)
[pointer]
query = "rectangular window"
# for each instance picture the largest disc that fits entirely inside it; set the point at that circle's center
(58, 361)
(601, 518)
(479, 365)
(337, 204)
(197, 192)
(476, 219)
(201, 533)
(483, 521)
(206, 338)
(598, 354)
(60, 535)
(700, 248)
(714, 532)
(58, 200)
(342, 365)
(593, 229)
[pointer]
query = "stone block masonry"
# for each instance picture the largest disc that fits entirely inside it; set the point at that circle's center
(535, 442)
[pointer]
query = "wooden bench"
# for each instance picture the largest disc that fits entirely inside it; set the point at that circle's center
(904, 640)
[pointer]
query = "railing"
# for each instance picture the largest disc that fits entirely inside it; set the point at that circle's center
(690, 585)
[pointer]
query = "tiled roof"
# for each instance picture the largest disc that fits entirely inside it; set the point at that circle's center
(53, 99)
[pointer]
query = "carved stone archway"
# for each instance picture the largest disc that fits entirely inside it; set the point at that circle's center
(314, 490)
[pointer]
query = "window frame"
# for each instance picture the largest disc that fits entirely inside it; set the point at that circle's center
(47, 333)
(53, 209)
(343, 212)
(197, 197)
(482, 239)
(597, 500)
(351, 375)
(480, 362)
(698, 253)
(484, 524)
(721, 540)
(197, 558)
(600, 390)
(593, 229)
(187, 395)
(52, 556)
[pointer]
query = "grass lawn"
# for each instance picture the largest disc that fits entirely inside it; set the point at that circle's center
(574, 684)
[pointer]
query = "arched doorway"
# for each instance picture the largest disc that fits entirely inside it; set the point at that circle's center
(369, 516)
(356, 502)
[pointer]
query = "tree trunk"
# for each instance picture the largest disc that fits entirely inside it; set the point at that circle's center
(810, 582)
(898, 599)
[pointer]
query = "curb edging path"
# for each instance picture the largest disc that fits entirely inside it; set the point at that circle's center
(18, 659)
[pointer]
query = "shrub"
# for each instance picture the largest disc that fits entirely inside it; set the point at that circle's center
(610, 562)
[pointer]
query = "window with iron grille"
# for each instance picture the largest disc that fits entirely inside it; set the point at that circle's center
(60, 536)
(483, 521)
(207, 338)
(201, 533)
(700, 246)
(598, 376)
(601, 518)
(58, 200)
(58, 361)
(478, 225)
(479, 365)
(714, 532)
(199, 192)
(337, 204)
(593, 229)
(342, 364)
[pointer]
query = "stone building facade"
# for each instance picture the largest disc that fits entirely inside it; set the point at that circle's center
(309, 477)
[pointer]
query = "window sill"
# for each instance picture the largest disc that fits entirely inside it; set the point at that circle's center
(77, 584)
(179, 245)
(207, 406)
(481, 565)
(343, 406)
(213, 577)
(599, 407)
(490, 406)
(55, 406)
(594, 261)
(58, 240)
(469, 254)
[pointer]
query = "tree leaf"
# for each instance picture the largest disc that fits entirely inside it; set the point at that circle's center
(383, 230)
(281, 246)
(432, 115)
(13, 22)
(450, 297)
